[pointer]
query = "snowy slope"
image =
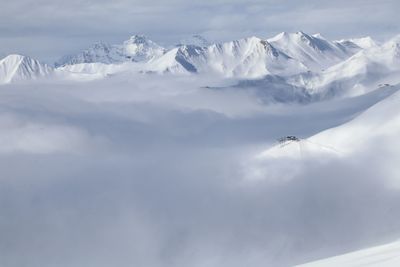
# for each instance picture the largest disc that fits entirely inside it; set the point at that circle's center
(18, 68)
(315, 52)
(381, 256)
(380, 122)
(138, 48)
(88, 71)
(175, 61)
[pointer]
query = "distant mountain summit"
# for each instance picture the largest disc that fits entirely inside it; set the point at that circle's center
(137, 48)
(196, 40)
(15, 68)
(314, 51)
(98, 52)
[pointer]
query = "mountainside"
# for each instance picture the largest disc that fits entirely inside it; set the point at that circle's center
(356, 44)
(379, 122)
(313, 51)
(18, 68)
(363, 72)
(381, 256)
(177, 60)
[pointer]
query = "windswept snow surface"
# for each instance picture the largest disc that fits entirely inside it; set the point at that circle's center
(381, 256)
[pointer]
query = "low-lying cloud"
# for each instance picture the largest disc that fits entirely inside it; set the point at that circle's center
(161, 183)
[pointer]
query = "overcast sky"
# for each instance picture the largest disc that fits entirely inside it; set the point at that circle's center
(48, 29)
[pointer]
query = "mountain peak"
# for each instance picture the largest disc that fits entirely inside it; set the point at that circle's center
(286, 36)
(313, 51)
(392, 48)
(301, 33)
(319, 36)
(297, 37)
(18, 67)
(279, 36)
(196, 39)
(13, 57)
(138, 39)
(252, 39)
(140, 48)
(137, 48)
(17, 59)
(98, 45)
(395, 40)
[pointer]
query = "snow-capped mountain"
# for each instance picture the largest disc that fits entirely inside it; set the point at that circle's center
(313, 51)
(97, 53)
(289, 64)
(285, 54)
(136, 49)
(250, 57)
(363, 72)
(140, 48)
(15, 68)
(176, 61)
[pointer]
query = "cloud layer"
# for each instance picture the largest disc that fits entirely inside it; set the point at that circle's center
(160, 178)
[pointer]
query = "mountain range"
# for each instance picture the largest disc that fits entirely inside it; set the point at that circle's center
(298, 61)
